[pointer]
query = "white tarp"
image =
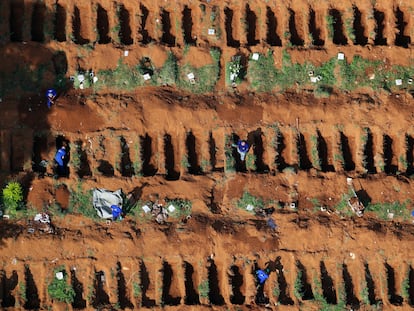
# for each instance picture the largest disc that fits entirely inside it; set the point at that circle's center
(104, 199)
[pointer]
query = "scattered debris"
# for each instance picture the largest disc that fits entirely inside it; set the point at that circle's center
(42, 223)
(354, 203)
(191, 77)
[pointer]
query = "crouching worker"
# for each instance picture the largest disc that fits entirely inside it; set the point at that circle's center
(61, 159)
(50, 97)
(261, 276)
(242, 148)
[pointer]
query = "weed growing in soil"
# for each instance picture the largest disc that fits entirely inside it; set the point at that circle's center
(298, 286)
(405, 287)
(204, 289)
(249, 199)
(59, 289)
(228, 151)
(330, 21)
(251, 162)
(137, 164)
(75, 157)
(316, 161)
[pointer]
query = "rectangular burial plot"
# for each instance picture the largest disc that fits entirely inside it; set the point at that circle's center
(125, 32)
(336, 24)
(315, 24)
(171, 295)
(17, 8)
(167, 36)
(102, 25)
(296, 28)
(232, 27)
(38, 22)
(188, 25)
(251, 26)
(60, 20)
(273, 27)
(401, 39)
(190, 282)
(80, 27)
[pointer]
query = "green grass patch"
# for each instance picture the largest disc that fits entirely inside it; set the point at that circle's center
(399, 209)
(248, 199)
(59, 289)
(205, 77)
(80, 201)
(262, 73)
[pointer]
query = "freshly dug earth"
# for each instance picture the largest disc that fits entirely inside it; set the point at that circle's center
(166, 143)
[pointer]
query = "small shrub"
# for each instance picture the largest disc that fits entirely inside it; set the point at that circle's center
(298, 287)
(12, 197)
(60, 290)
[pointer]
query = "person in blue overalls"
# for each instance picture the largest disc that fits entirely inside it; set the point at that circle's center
(242, 148)
(61, 161)
(50, 97)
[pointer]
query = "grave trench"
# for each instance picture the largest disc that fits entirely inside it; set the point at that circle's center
(170, 158)
(251, 25)
(393, 297)
(368, 153)
(314, 30)
(294, 24)
(148, 167)
(78, 27)
(16, 19)
(272, 37)
(228, 21)
(187, 24)
(38, 22)
(102, 25)
(191, 295)
(60, 23)
(351, 299)
(379, 29)
(168, 287)
(345, 148)
(339, 37)
(193, 152)
(359, 27)
(127, 168)
(167, 37)
(304, 161)
(125, 33)
(236, 282)
(401, 39)
(389, 166)
(146, 38)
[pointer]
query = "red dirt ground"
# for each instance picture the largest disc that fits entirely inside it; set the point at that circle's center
(366, 258)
